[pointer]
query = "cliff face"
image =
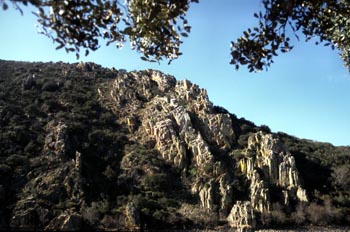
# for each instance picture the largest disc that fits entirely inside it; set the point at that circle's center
(267, 164)
(84, 147)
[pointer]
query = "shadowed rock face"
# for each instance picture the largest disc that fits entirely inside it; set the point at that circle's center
(106, 149)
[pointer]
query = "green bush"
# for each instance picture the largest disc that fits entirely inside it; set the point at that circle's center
(4, 169)
(157, 182)
(50, 86)
(16, 160)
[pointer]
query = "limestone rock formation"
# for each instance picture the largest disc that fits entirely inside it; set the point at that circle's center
(268, 163)
(226, 193)
(242, 216)
(118, 150)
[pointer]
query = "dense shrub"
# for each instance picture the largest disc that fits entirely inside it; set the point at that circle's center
(51, 86)
(157, 182)
(4, 169)
(16, 160)
(118, 167)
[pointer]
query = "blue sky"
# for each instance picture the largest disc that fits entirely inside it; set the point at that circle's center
(305, 93)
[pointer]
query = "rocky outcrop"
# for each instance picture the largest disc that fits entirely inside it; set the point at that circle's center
(259, 193)
(56, 139)
(206, 196)
(67, 221)
(54, 178)
(242, 216)
(42, 193)
(226, 193)
(133, 216)
(122, 150)
(178, 117)
(29, 82)
(87, 66)
(170, 146)
(268, 163)
(269, 155)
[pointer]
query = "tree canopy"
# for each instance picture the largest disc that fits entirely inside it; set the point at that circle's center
(327, 21)
(155, 28)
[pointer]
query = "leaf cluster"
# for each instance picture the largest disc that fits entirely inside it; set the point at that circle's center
(154, 27)
(327, 20)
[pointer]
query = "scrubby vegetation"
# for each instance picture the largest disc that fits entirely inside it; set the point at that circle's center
(111, 179)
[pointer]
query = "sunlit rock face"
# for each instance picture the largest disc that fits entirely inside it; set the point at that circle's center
(268, 163)
(179, 119)
(242, 216)
(139, 150)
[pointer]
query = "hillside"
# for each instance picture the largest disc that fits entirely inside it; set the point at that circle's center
(87, 147)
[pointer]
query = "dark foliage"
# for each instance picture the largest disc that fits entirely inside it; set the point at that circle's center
(153, 27)
(117, 169)
(326, 20)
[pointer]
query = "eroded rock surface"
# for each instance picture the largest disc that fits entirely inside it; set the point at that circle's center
(242, 216)
(137, 150)
(267, 164)
(179, 118)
